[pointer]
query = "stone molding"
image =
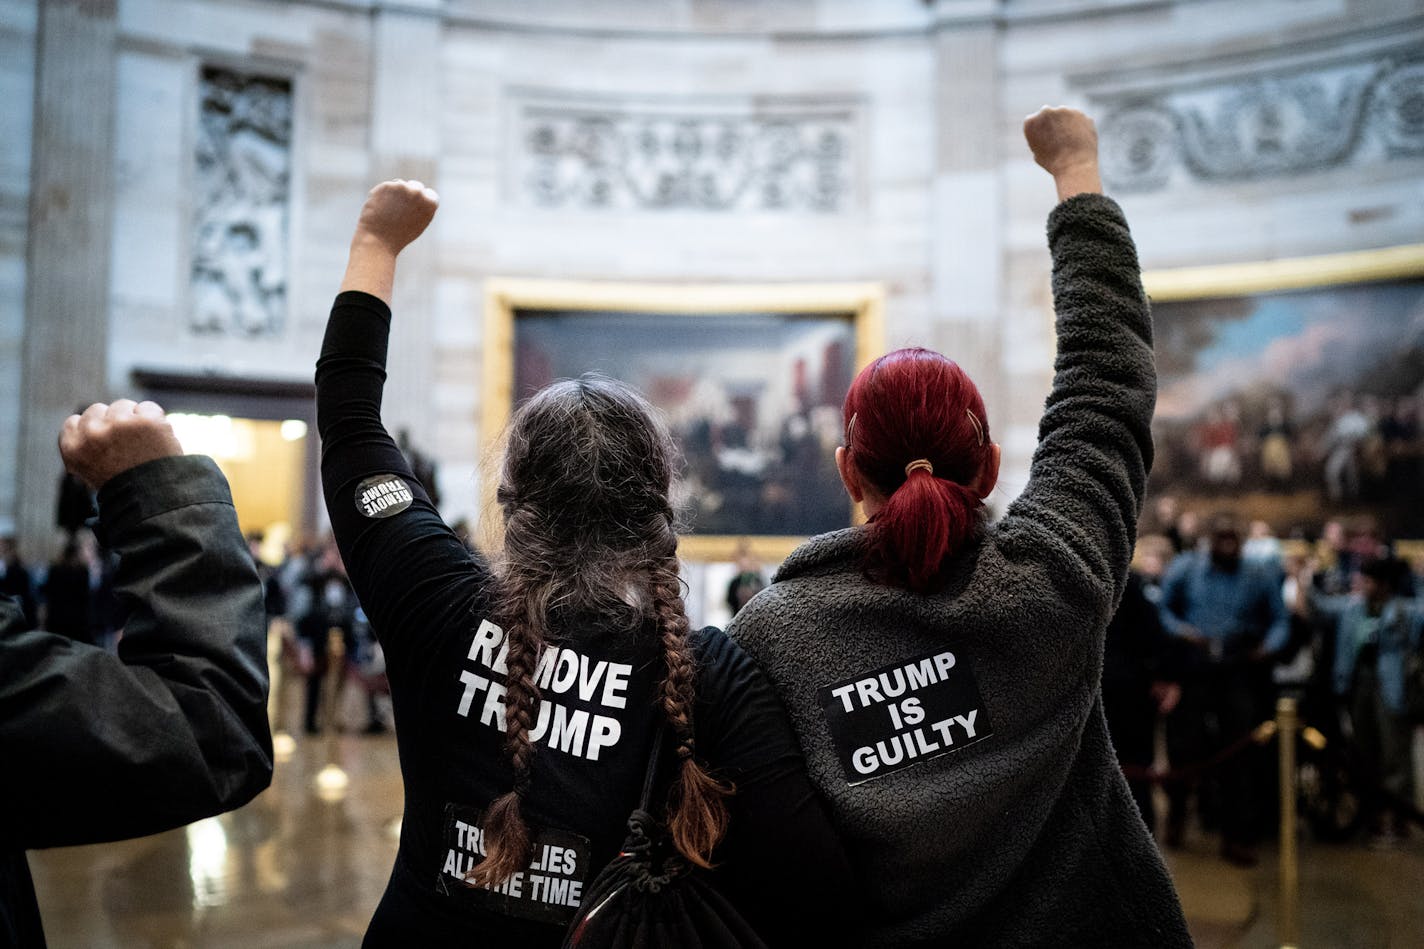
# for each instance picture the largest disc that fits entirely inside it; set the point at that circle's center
(1271, 123)
(776, 155)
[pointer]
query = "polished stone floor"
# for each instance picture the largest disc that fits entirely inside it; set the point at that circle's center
(304, 864)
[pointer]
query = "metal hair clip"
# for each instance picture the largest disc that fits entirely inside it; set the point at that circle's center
(850, 429)
(975, 421)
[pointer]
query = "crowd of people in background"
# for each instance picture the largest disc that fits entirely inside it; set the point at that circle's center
(308, 598)
(315, 615)
(72, 595)
(1218, 620)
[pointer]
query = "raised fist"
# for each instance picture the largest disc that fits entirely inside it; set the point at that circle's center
(109, 439)
(396, 212)
(1062, 139)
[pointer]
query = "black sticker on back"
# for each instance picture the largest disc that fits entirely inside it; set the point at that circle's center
(892, 718)
(383, 495)
(549, 891)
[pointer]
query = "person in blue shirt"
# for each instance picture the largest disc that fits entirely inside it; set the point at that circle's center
(1230, 613)
(1375, 631)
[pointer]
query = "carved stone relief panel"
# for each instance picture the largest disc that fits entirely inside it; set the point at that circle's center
(698, 154)
(243, 192)
(1265, 125)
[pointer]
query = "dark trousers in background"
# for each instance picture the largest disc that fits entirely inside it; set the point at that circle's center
(1382, 743)
(1132, 722)
(1221, 703)
(320, 663)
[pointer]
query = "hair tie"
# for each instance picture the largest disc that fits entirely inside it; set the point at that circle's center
(917, 465)
(974, 420)
(684, 750)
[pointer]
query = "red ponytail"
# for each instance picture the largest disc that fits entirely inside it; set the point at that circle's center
(917, 431)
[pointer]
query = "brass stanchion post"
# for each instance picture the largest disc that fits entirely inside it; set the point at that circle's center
(1288, 920)
(335, 672)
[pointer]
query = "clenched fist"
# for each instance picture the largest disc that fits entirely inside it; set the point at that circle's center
(395, 213)
(110, 439)
(1061, 138)
(1065, 143)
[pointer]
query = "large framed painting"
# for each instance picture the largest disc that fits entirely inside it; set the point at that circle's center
(1292, 392)
(750, 379)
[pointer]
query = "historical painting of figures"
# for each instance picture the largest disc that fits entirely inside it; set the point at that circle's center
(753, 396)
(1295, 406)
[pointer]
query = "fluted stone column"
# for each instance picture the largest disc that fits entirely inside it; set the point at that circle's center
(67, 282)
(19, 31)
(966, 263)
(405, 142)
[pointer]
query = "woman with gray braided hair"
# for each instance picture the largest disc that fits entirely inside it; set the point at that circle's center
(529, 693)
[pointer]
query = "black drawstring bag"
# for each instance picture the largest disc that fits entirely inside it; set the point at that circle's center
(650, 897)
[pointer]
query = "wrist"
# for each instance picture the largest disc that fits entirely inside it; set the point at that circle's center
(1082, 177)
(371, 267)
(367, 244)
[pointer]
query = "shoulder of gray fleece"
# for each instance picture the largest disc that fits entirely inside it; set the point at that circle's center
(826, 551)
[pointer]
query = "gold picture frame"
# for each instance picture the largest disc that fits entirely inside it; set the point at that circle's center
(1289, 273)
(1332, 277)
(862, 303)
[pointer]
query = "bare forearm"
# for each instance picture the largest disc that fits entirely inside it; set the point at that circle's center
(396, 212)
(371, 268)
(1079, 179)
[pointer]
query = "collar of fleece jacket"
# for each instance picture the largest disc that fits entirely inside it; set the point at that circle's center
(826, 551)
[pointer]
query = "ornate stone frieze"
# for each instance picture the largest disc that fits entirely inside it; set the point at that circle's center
(1265, 125)
(243, 192)
(737, 154)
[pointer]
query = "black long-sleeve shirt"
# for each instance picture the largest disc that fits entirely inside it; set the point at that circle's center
(98, 747)
(429, 601)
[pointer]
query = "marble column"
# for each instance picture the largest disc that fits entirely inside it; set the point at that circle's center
(405, 142)
(966, 265)
(71, 209)
(19, 24)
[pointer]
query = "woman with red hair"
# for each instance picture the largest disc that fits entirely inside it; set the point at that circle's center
(943, 675)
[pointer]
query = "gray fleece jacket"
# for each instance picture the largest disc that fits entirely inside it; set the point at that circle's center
(978, 795)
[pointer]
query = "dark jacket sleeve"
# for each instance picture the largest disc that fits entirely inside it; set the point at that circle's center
(100, 747)
(782, 862)
(409, 570)
(1079, 510)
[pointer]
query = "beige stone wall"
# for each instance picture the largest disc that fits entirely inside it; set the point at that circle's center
(934, 193)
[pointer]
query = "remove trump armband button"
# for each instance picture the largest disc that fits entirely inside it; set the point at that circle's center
(383, 495)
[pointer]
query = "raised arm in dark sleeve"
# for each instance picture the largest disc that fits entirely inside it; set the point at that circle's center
(409, 570)
(782, 862)
(1079, 510)
(100, 747)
